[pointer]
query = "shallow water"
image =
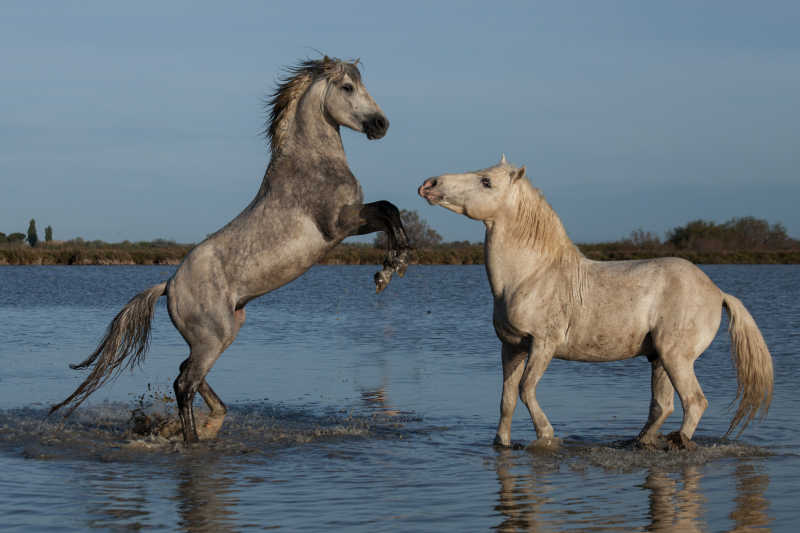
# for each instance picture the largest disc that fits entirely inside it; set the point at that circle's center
(359, 412)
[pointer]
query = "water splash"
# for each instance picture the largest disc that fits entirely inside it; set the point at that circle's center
(121, 432)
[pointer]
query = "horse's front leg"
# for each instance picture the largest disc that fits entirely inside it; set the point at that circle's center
(384, 216)
(513, 366)
(540, 356)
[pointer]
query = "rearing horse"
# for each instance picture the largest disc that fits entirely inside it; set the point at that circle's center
(309, 201)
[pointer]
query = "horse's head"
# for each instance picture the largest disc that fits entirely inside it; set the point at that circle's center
(479, 194)
(348, 103)
(330, 86)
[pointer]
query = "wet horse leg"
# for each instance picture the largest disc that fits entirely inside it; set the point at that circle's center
(540, 356)
(211, 425)
(513, 366)
(661, 404)
(384, 216)
(681, 372)
(217, 409)
(205, 350)
(216, 415)
(192, 374)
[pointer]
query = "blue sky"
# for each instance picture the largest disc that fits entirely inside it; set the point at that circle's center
(141, 120)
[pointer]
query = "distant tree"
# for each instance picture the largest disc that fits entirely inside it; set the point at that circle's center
(33, 238)
(688, 235)
(420, 235)
(642, 239)
(3, 237)
(753, 233)
(48, 234)
(16, 237)
(745, 233)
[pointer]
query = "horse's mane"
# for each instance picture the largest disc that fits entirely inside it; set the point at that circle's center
(283, 102)
(536, 224)
(537, 227)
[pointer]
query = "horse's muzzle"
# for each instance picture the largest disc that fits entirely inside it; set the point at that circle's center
(426, 190)
(375, 126)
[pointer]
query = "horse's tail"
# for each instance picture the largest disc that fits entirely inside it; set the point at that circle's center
(127, 337)
(752, 361)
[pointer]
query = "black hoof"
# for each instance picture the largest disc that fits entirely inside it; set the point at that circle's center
(382, 279)
(678, 441)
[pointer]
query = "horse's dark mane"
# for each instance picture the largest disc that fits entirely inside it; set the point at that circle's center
(295, 82)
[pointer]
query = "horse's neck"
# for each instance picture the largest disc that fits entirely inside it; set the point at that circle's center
(311, 132)
(311, 144)
(507, 265)
(511, 261)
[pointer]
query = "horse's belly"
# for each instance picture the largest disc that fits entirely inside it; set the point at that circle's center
(598, 346)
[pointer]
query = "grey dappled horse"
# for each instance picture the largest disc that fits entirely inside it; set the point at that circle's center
(551, 301)
(309, 201)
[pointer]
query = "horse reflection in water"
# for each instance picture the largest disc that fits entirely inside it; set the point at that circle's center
(675, 504)
(675, 501)
(551, 301)
(309, 201)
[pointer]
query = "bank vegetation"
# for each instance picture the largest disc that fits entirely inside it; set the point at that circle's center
(744, 240)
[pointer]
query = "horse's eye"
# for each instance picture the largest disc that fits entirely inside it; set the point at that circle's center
(486, 182)
(348, 88)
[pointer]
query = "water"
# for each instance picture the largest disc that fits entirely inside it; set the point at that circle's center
(361, 412)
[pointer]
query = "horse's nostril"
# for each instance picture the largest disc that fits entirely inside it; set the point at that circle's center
(381, 123)
(432, 183)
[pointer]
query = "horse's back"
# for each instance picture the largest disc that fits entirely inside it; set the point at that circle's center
(683, 305)
(627, 307)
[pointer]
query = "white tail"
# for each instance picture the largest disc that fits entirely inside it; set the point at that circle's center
(752, 361)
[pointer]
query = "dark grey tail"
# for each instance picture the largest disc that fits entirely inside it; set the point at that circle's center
(127, 338)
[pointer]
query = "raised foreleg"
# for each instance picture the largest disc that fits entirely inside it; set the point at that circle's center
(381, 216)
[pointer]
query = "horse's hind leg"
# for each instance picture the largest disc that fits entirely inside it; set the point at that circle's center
(681, 372)
(189, 381)
(211, 425)
(207, 337)
(661, 404)
(216, 414)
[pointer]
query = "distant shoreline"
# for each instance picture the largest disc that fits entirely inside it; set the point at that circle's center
(365, 254)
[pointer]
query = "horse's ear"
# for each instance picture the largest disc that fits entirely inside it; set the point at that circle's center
(503, 159)
(520, 172)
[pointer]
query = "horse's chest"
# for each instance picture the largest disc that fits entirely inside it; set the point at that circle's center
(522, 315)
(507, 327)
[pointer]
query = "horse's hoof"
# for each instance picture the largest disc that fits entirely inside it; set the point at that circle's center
(401, 269)
(401, 263)
(499, 443)
(651, 443)
(678, 441)
(547, 444)
(646, 445)
(382, 279)
(211, 427)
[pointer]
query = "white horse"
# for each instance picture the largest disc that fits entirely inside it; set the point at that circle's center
(551, 301)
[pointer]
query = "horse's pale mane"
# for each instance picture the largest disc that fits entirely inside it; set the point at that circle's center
(536, 224)
(537, 227)
(283, 102)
